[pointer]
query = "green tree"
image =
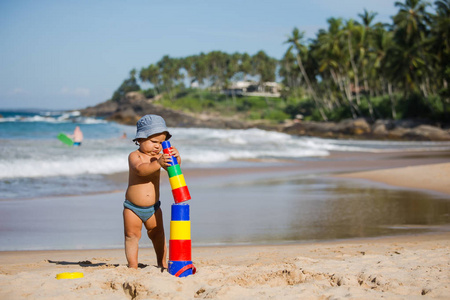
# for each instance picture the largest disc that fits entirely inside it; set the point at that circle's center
(331, 51)
(382, 64)
(264, 66)
(410, 31)
(366, 59)
(440, 46)
(290, 72)
(296, 42)
(128, 85)
(170, 73)
(151, 74)
(246, 65)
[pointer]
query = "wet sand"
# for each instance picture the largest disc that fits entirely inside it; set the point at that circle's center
(427, 177)
(408, 266)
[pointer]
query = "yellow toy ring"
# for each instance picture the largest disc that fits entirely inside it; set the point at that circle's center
(68, 275)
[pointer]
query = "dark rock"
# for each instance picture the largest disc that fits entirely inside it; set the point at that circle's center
(103, 110)
(359, 128)
(345, 128)
(408, 123)
(428, 133)
(134, 105)
(398, 133)
(353, 127)
(380, 128)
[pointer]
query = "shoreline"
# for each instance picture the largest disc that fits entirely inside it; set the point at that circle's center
(30, 256)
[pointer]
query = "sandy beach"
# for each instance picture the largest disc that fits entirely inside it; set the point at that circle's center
(430, 177)
(409, 266)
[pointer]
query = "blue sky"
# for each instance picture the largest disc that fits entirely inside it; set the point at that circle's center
(68, 54)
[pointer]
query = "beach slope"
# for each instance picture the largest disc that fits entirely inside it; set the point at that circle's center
(432, 177)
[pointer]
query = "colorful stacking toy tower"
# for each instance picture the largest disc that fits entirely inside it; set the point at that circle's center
(180, 190)
(180, 261)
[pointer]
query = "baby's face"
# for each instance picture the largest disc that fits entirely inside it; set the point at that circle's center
(152, 144)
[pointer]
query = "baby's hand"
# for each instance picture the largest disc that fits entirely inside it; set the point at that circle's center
(174, 152)
(164, 160)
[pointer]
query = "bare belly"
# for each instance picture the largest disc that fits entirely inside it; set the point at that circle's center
(142, 195)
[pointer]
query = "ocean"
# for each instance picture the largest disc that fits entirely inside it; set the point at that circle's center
(54, 196)
(34, 163)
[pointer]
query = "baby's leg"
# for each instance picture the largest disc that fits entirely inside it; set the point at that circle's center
(155, 231)
(132, 226)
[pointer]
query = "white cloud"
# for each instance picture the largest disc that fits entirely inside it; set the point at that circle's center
(79, 92)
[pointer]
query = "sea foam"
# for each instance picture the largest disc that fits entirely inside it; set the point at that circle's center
(33, 162)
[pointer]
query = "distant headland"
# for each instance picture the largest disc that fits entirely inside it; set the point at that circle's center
(134, 105)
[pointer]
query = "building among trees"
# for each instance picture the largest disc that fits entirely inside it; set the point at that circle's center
(252, 88)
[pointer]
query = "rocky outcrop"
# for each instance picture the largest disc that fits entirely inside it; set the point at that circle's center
(134, 105)
(345, 128)
(361, 129)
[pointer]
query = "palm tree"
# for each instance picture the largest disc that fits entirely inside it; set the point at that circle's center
(329, 51)
(410, 30)
(128, 85)
(264, 66)
(170, 73)
(350, 33)
(367, 18)
(295, 41)
(410, 21)
(366, 63)
(440, 45)
(187, 64)
(246, 65)
(200, 68)
(382, 43)
(198, 71)
(291, 73)
(232, 67)
(152, 75)
(216, 65)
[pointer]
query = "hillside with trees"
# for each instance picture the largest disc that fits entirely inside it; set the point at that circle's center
(356, 68)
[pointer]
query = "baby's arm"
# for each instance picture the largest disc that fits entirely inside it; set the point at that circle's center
(142, 165)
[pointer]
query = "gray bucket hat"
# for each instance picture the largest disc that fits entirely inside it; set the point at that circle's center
(149, 125)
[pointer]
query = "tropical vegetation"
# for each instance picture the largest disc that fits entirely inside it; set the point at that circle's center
(354, 68)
